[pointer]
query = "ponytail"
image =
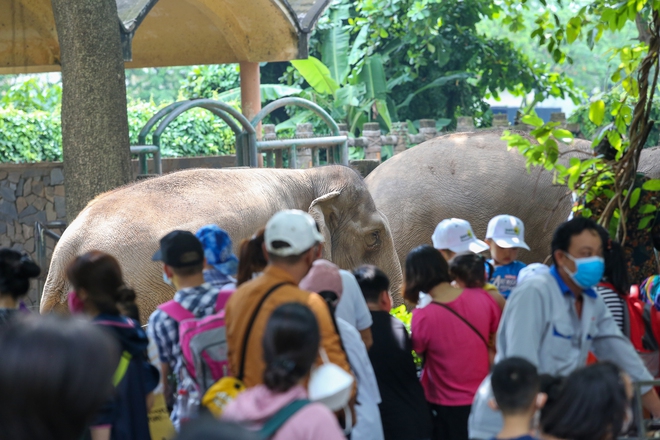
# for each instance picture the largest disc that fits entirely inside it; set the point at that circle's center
(126, 302)
(251, 258)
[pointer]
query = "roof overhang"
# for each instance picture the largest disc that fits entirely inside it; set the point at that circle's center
(168, 32)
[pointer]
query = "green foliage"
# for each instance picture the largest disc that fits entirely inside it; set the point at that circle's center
(205, 81)
(403, 315)
(159, 84)
(34, 136)
(32, 95)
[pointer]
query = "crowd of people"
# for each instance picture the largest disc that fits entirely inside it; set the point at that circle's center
(282, 344)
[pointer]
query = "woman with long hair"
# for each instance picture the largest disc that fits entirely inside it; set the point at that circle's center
(451, 334)
(251, 257)
(101, 294)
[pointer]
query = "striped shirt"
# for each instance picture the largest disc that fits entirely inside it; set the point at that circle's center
(614, 303)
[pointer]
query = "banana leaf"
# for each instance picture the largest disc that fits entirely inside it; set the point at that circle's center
(373, 76)
(269, 92)
(334, 50)
(317, 75)
(435, 83)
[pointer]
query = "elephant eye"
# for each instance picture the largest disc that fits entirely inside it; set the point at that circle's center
(373, 239)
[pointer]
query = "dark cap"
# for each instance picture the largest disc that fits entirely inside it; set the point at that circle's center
(180, 249)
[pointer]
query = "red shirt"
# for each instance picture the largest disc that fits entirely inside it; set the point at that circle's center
(456, 358)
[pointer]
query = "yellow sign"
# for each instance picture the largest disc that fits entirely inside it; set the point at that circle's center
(160, 425)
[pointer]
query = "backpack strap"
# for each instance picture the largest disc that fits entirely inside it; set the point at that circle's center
(176, 311)
(223, 297)
(445, 306)
(275, 423)
(253, 318)
(120, 372)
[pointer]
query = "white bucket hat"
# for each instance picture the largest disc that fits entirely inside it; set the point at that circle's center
(456, 235)
(507, 231)
(293, 227)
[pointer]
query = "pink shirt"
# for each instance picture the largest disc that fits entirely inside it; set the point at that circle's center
(456, 359)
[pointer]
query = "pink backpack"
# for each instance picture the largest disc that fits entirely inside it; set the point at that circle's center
(203, 341)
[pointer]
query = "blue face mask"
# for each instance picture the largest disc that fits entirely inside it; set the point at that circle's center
(167, 280)
(588, 271)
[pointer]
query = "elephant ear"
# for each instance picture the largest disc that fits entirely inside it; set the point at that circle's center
(325, 213)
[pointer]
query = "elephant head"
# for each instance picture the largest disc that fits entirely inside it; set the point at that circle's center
(355, 231)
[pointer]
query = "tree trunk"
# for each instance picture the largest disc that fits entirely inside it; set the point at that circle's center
(94, 121)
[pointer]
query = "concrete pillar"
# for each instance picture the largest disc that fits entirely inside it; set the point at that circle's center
(500, 120)
(371, 131)
(465, 123)
(401, 133)
(251, 96)
(304, 156)
(427, 128)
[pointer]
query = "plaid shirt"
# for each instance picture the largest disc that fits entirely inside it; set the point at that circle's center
(164, 330)
(217, 279)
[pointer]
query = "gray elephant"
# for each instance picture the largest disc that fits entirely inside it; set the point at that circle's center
(128, 222)
(471, 176)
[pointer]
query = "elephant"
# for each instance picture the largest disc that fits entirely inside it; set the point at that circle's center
(128, 222)
(472, 176)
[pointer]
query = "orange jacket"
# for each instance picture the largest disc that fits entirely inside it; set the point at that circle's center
(240, 308)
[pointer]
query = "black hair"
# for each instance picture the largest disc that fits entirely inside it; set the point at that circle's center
(561, 239)
(289, 259)
(209, 428)
(291, 345)
(251, 257)
(425, 269)
(372, 282)
(551, 386)
(616, 266)
(99, 274)
(515, 383)
(469, 268)
(55, 374)
(16, 269)
(591, 406)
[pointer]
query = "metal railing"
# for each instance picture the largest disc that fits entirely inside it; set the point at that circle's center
(42, 231)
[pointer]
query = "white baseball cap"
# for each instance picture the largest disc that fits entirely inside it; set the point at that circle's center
(294, 227)
(456, 235)
(507, 231)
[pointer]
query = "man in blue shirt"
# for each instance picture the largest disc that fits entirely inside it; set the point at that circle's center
(554, 319)
(505, 235)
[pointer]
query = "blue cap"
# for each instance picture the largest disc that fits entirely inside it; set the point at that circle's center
(217, 249)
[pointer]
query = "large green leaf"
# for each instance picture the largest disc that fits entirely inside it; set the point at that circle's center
(350, 95)
(435, 83)
(373, 76)
(269, 92)
(334, 50)
(317, 75)
(381, 106)
(296, 119)
(356, 47)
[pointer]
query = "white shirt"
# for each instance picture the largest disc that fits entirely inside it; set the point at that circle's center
(369, 425)
(352, 307)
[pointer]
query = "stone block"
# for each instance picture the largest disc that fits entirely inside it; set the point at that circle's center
(13, 186)
(38, 189)
(39, 203)
(21, 204)
(5, 241)
(51, 215)
(33, 172)
(46, 181)
(56, 176)
(8, 210)
(19, 187)
(27, 212)
(28, 231)
(29, 245)
(3, 228)
(7, 194)
(60, 207)
(18, 247)
(50, 193)
(59, 190)
(39, 216)
(36, 178)
(30, 199)
(27, 187)
(10, 230)
(14, 177)
(3, 175)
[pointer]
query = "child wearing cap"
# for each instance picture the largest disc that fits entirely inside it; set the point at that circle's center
(505, 235)
(455, 236)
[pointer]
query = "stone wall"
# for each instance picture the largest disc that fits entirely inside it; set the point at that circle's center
(31, 193)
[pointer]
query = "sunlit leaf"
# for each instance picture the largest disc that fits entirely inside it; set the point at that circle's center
(597, 112)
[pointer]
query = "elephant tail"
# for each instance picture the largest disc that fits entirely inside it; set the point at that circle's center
(54, 297)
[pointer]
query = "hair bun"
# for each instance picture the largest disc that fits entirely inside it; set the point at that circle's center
(27, 268)
(126, 294)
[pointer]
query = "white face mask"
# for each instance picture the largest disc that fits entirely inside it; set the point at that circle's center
(167, 280)
(330, 385)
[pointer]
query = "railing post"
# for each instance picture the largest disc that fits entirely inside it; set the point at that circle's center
(269, 135)
(427, 128)
(343, 131)
(371, 131)
(304, 155)
(401, 133)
